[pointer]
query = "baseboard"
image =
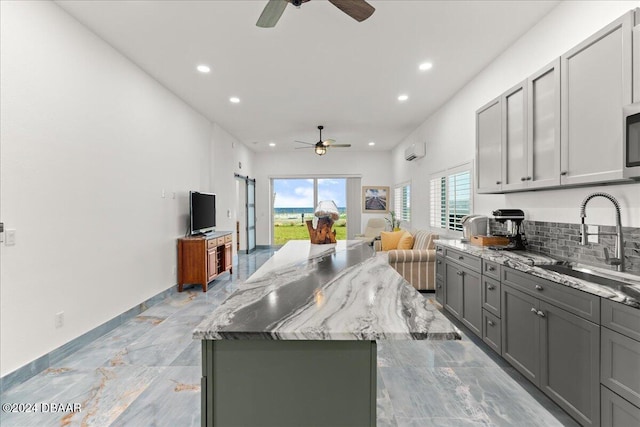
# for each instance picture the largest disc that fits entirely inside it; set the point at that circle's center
(44, 362)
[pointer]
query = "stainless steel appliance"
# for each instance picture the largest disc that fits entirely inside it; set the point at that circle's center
(631, 140)
(474, 225)
(513, 219)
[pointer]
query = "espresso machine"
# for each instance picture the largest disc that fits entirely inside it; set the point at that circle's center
(513, 219)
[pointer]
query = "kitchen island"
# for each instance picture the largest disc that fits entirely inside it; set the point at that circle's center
(295, 345)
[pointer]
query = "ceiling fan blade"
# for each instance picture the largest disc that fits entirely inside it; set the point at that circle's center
(357, 9)
(328, 142)
(271, 13)
(303, 142)
(340, 145)
(300, 148)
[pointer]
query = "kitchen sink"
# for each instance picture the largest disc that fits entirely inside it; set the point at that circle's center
(632, 290)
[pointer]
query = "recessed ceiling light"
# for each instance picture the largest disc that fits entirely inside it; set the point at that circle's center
(372, 143)
(403, 97)
(425, 66)
(203, 68)
(234, 99)
(272, 144)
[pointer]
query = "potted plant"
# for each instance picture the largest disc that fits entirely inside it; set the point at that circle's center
(393, 221)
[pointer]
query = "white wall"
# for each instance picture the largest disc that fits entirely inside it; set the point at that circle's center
(88, 142)
(228, 156)
(450, 132)
(373, 167)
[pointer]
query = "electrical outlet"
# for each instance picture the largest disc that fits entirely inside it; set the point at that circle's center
(10, 238)
(593, 229)
(59, 319)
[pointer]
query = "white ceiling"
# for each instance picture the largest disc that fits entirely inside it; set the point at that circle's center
(317, 66)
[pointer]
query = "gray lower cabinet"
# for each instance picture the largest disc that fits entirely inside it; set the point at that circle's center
(453, 293)
(472, 301)
(440, 279)
(556, 350)
(463, 295)
(617, 412)
(620, 369)
(570, 362)
(521, 332)
(491, 331)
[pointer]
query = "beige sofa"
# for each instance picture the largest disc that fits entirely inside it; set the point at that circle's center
(416, 265)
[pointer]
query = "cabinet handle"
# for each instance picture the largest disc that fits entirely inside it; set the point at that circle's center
(534, 310)
(524, 178)
(460, 273)
(539, 288)
(460, 257)
(491, 268)
(540, 313)
(439, 286)
(529, 178)
(439, 262)
(564, 173)
(498, 182)
(491, 287)
(490, 322)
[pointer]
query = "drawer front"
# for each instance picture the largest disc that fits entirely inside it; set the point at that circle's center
(439, 250)
(470, 261)
(491, 331)
(212, 243)
(620, 371)
(491, 295)
(574, 301)
(617, 412)
(491, 269)
(220, 241)
(228, 238)
(621, 318)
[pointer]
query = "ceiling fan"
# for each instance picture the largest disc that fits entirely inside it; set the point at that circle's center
(321, 146)
(357, 9)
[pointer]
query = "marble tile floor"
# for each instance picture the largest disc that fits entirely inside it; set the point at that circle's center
(147, 373)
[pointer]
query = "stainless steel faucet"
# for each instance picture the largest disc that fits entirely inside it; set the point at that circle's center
(618, 261)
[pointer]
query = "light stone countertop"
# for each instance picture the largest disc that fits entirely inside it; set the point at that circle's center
(527, 261)
(340, 291)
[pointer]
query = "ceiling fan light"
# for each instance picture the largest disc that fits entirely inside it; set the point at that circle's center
(320, 149)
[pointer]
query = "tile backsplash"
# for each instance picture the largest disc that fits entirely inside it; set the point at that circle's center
(562, 240)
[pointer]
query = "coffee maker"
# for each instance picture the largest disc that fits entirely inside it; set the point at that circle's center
(513, 219)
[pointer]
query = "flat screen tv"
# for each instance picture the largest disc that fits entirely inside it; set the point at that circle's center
(202, 210)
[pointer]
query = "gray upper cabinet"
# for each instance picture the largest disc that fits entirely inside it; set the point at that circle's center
(596, 83)
(489, 147)
(514, 138)
(636, 63)
(543, 130)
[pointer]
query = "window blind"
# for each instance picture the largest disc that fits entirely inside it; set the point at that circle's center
(451, 196)
(402, 202)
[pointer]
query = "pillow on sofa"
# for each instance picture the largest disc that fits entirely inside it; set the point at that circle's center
(390, 239)
(406, 241)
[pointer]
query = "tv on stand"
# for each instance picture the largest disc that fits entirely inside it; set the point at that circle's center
(202, 212)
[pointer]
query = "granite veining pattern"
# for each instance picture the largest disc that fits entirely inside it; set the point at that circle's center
(527, 262)
(331, 292)
(168, 396)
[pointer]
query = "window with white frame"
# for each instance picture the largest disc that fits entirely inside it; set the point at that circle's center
(451, 197)
(402, 201)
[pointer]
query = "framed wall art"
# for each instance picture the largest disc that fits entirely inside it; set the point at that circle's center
(375, 199)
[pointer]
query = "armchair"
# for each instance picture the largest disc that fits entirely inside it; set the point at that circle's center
(372, 230)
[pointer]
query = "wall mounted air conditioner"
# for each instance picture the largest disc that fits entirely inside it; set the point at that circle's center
(414, 151)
